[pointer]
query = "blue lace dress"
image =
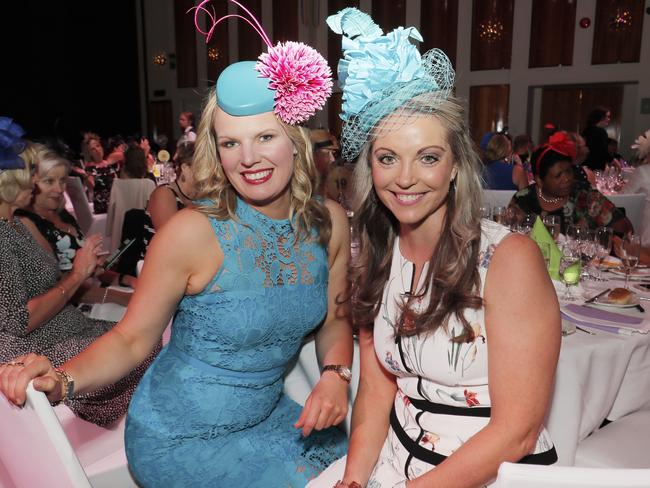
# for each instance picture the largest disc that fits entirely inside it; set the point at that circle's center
(210, 411)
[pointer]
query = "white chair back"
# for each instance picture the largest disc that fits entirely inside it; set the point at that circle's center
(34, 449)
(126, 194)
(497, 198)
(82, 210)
(633, 204)
(45, 446)
(531, 476)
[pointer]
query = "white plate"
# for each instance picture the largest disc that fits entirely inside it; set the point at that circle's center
(603, 301)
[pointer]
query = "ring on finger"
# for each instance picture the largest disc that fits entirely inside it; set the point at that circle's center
(15, 363)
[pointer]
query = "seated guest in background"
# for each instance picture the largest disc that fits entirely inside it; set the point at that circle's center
(135, 164)
(102, 172)
(115, 148)
(144, 144)
(597, 139)
(556, 192)
(168, 199)
(54, 228)
(581, 172)
(639, 181)
(35, 313)
(247, 274)
(326, 150)
(420, 417)
(522, 147)
(500, 172)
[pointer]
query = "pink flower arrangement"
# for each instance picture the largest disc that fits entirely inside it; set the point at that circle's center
(301, 78)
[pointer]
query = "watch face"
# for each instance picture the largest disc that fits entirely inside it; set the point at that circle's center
(345, 373)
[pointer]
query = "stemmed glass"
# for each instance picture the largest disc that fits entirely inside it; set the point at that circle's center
(552, 223)
(602, 246)
(630, 251)
(569, 269)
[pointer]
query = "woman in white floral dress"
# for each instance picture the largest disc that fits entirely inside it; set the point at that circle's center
(459, 327)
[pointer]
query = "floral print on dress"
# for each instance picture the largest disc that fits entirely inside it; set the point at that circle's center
(470, 398)
(390, 362)
(485, 256)
(463, 354)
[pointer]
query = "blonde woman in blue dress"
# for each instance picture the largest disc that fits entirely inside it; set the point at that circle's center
(459, 326)
(260, 263)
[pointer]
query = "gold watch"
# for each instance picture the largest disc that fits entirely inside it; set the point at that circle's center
(343, 371)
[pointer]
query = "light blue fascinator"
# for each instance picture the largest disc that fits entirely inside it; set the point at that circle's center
(241, 90)
(384, 75)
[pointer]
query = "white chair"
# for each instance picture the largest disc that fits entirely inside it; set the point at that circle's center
(633, 204)
(126, 194)
(497, 198)
(531, 476)
(625, 443)
(82, 210)
(35, 450)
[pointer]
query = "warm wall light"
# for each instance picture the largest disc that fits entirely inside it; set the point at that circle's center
(160, 59)
(490, 30)
(213, 53)
(621, 20)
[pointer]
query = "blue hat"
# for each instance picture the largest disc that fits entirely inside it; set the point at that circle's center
(11, 144)
(242, 91)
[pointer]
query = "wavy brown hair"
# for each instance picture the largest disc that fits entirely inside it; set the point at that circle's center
(452, 280)
(305, 212)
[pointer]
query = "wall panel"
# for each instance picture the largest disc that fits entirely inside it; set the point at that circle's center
(439, 26)
(488, 109)
(491, 34)
(552, 28)
(617, 31)
(185, 44)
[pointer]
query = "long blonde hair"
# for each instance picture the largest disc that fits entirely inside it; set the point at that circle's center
(452, 280)
(305, 212)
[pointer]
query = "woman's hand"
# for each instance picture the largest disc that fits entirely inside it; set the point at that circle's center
(327, 404)
(85, 260)
(15, 375)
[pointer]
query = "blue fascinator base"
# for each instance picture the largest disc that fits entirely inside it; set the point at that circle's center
(11, 144)
(242, 91)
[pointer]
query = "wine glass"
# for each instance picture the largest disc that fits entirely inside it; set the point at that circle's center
(526, 224)
(486, 212)
(569, 269)
(630, 251)
(552, 223)
(499, 215)
(602, 247)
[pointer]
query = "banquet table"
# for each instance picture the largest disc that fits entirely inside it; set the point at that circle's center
(600, 376)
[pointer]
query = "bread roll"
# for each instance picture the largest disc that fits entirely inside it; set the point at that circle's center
(620, 296)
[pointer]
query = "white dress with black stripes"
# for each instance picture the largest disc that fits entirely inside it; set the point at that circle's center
(442, 398)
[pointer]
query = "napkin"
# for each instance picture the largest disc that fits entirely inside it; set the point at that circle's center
(604, 319)
(540, 234)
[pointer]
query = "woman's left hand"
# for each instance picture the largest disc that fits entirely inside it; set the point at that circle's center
(327, 405)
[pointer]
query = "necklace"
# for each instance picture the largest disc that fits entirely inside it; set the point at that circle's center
(545, 199)
(181, 191)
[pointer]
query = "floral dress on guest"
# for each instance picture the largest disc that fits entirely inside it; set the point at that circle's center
(585, 206)
(64, 244)
(443, 394)
(103, 176)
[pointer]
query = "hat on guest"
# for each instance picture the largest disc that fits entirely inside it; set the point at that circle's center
(291, 79)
